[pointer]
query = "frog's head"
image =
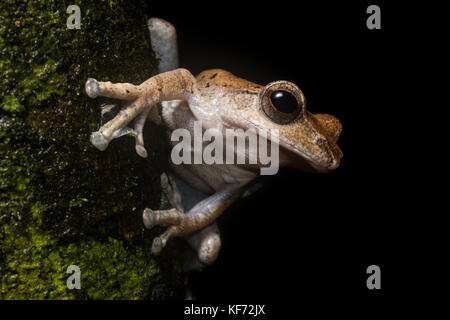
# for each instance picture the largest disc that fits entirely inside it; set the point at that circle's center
(308, 141)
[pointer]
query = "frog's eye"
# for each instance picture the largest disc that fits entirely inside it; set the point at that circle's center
(282, 101)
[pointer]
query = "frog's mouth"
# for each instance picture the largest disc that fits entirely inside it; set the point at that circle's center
(292, 156)
(325, 160)
(308, 143)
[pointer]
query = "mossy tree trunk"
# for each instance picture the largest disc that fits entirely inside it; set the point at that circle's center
(62, 201)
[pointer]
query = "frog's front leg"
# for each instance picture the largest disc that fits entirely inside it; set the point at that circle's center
(178, 84)
(201, 215)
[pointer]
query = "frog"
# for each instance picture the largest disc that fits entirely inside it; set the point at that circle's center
(220, 100)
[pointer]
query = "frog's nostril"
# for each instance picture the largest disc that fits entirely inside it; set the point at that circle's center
(321, 141)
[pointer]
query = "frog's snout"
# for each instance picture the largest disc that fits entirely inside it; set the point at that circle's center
(329, 126)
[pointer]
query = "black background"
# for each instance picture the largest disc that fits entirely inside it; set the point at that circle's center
(306, 237)
(304, 241)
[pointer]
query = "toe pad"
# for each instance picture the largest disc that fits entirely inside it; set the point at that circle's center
(157, 246)
(92, 88)
(99, 141)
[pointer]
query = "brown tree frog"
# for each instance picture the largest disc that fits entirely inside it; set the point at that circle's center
(221, 101)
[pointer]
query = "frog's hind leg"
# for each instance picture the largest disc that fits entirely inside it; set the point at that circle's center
(164, 42)
(205, 243)
(200, 216)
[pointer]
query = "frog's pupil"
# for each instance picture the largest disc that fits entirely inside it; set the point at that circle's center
(284, 101)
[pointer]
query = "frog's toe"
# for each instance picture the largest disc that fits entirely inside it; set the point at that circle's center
(92, 88)
(140, 150)
(157, 246)
(149, 218)
(99, 140)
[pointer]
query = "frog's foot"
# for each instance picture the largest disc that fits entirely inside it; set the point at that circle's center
(117, 126)
(200, 216)
(173, 85)
(206, 242)
(136, 107)
(173, 217)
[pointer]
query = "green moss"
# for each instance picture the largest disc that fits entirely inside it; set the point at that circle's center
(108, 270)
(62, 201)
